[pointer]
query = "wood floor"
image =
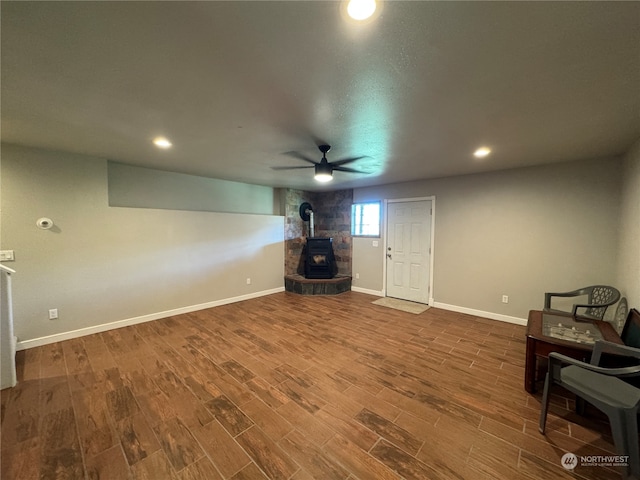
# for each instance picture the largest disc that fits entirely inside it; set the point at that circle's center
(291, 387)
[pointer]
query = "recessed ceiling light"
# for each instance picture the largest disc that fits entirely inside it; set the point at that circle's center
(482, 152)
(361, 9)
(162, 142)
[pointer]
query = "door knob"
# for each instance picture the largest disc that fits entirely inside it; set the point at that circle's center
(389, 256)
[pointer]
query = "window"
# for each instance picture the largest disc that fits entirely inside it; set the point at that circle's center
(365, 219)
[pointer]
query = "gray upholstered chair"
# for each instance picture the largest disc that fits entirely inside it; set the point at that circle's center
(599, 297)
(605, 390)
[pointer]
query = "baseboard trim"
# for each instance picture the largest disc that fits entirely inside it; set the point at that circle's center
(481, 313)
(58, 337)
(377, 293)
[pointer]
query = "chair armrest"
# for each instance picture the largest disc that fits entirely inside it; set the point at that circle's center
(556, 359)
(602, 346)
(593, 305)
(548, 295)
(576, 306)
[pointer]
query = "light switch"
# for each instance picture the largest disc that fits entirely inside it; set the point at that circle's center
(6, 256)
(375, 243)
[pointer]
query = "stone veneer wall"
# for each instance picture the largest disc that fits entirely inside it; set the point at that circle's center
(333, 220)
(332, 211)
(295, 232)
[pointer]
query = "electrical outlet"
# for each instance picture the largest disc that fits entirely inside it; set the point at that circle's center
(6, 256)
(505, 298)
(248, 281)
(374, 243)
(357, 276)
(53, 314)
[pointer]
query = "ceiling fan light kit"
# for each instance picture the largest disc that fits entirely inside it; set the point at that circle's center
(323, 173)
(324, 170)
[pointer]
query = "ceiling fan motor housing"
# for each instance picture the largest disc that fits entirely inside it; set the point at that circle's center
(324, 168)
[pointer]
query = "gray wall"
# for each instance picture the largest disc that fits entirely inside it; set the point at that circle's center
(131, 186)
(517, 232)
(629, 240)
(103, 264)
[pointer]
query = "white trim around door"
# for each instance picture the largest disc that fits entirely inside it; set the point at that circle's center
(432, 199)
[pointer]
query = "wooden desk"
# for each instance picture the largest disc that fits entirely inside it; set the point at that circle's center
(540, 345)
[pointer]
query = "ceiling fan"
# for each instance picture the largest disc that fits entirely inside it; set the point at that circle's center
(323, 169)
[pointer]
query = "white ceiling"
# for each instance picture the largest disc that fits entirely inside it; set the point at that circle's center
(236, 85)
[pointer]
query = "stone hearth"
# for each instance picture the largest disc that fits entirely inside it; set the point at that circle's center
(317, 286)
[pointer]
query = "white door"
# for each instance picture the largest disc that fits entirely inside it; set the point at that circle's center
(409, 250)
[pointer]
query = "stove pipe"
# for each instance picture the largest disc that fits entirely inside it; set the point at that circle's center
(306, 213)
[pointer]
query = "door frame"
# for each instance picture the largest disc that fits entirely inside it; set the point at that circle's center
(386, 202)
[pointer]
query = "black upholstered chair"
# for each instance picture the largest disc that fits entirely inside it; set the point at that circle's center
(631, 331)
(598, 299)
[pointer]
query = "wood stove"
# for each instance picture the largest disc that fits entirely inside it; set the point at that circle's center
(319, 259)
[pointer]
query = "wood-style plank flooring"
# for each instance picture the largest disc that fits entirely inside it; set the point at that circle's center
(291, 387)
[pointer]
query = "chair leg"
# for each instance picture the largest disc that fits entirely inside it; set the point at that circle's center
(633, 446)
(580, 405)
(624, 428)
(545, 403)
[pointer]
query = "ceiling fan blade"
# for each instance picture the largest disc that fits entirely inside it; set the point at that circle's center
(291, 168)
(350, 170)
(299, 156)
(347, 160)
